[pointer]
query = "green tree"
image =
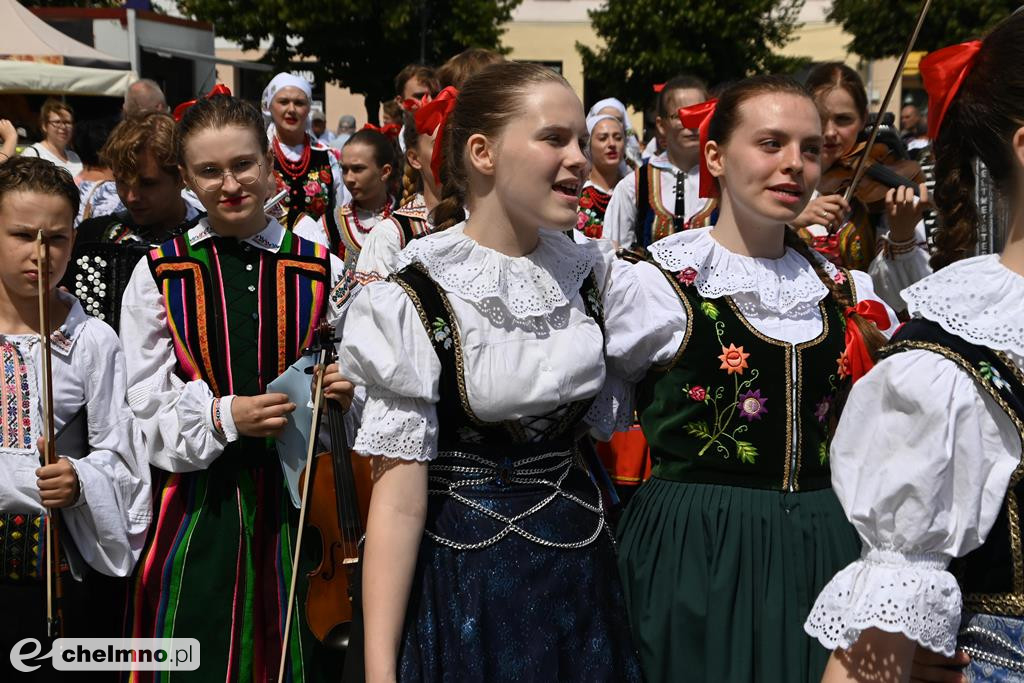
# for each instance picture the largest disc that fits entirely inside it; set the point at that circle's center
(881, 29)
(361, 44)
(649, 41)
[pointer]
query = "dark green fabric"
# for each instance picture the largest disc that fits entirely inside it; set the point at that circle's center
(241, 301)
(692, 415)
(719, 580)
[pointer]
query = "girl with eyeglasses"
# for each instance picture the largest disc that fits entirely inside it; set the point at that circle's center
(209, 318)
(57, 121)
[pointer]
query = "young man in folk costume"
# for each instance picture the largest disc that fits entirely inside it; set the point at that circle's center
(99, 484)
(210, 318)
(661, 197)
(144, 162)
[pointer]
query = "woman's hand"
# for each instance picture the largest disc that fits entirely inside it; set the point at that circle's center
(58, 483)
(829, 210)
(263, 415)
(905, 210)
(936, 668)
(337, 388)
(8, 139)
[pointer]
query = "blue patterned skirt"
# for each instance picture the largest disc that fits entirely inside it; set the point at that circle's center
(516, 578)
(996, 647)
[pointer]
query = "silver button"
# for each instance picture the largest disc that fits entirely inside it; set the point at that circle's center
(251, 288)
(255, 316)
(248, 266)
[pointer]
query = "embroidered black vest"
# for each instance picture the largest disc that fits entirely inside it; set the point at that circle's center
(311, 194)
(289, 289)
(653, 220)
(735, 407)
(991, 577)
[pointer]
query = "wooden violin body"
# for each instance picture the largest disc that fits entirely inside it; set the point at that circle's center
(885, 170)
(331, 585)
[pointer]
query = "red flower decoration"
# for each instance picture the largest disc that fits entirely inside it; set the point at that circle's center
(586, 201)
(325, 175)
(687, 276)
(698, 393)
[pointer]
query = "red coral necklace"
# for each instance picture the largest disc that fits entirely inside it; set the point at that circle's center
(293, 169)
(386, 212)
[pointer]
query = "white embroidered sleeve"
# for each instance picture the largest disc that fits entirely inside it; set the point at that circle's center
(620, 216)
(384, 347)
(923, 484)
(380, 250)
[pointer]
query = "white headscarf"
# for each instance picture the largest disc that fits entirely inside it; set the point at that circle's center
(594, 120)
(615, 104)
(279, 82)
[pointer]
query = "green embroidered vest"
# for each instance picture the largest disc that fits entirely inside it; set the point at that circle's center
(735, 407)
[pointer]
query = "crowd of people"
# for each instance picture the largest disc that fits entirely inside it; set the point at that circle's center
(684, 409)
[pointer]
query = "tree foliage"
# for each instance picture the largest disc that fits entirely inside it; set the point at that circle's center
(881, 29)
(649, 41)
(361, 44)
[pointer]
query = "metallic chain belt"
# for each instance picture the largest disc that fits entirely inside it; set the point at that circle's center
(1014, 663)
(473, 470)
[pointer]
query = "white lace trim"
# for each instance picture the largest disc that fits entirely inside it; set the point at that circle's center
(397, 427)
(909, 594)
(612, 409)
(784, 285)
(977, 299)
(531, 285)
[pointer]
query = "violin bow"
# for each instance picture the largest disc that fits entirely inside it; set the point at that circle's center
(862, 166)
(54, 589)
(310, 451)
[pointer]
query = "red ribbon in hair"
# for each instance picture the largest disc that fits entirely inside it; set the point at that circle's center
(389, 129)
(658, 87)
(410, 104)
(219, 89)
(430, 119)
(943, 72)
(698, 117)
(857, 357)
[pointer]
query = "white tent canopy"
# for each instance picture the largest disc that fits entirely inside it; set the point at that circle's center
(38, 77)
(24, 36)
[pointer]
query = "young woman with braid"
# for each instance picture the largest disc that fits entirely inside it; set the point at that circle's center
(487, 555)
(933, 485)
(421, 185)
(742, 342)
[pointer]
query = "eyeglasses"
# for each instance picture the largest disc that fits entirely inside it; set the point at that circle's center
(244, 171)
(60, 123)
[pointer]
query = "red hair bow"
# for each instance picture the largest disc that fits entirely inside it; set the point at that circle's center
(430, 119)
(658, 87)
(943, 72)
(219, 89)
(389, 129)
(410, 104)
(857, 357)
(698, 117)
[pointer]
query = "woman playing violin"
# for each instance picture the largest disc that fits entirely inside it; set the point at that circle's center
(880, 229)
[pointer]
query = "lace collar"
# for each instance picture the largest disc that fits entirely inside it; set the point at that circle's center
(532, 285)
(785, 285)
(978, 299)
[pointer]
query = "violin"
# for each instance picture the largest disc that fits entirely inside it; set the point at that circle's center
(885, 169)
(336, 501)
(339, 505)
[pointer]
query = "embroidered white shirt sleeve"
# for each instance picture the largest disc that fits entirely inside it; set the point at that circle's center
(892, 274)
(923, 485)
(110, 521)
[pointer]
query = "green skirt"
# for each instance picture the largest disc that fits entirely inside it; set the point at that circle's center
(719, 579)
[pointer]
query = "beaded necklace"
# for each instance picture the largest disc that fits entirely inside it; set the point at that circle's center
(293, 168)
(386, 212)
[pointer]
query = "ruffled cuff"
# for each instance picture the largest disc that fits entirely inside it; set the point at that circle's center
(398, 427)
(909, 594)
(612, 409)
